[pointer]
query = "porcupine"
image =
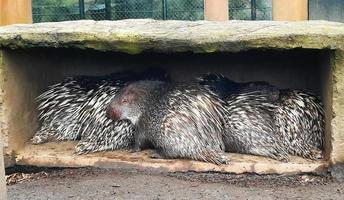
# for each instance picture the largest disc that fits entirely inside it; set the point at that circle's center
(101, 133)
(98, 133)
(57, 111)
(300, 121)
(61, 106)
(179, 121)
(86, 117)
(263, 120)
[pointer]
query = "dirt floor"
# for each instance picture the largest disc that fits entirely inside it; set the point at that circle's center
(126, 183)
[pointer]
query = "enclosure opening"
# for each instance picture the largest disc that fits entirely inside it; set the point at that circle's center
(29, 72)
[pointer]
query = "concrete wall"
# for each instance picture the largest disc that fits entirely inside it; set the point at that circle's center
(338, 111)
(2, 137)
(332, 10)
(11, 12)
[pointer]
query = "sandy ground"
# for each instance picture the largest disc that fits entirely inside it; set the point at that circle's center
(92, 183)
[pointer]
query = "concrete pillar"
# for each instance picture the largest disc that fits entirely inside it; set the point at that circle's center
(3, 191)
(337, 137)
(2, 163)
(11, 12)
(290, 10)
(216, 10)
(15, 12)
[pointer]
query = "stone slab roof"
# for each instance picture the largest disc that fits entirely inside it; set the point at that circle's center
(145, 35)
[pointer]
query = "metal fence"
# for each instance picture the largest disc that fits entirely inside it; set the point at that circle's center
(65, 10)
(331, 10)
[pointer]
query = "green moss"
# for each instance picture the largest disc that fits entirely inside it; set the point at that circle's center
(131, 43)
(205, 48)
(120, 42)
(209, 49)
(130, 48)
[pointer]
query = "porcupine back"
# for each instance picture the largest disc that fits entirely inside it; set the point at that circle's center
(297, 118)
(58, 108)
(300, 122)
(180, 121)
(74, 109)
(250, 127)
(99, 133)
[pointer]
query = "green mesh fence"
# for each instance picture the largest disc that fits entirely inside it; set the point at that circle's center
(185, 10)
(136, 9)
(52, 13)
(64, 10)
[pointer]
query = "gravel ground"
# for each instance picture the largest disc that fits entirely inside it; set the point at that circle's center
(93, 183)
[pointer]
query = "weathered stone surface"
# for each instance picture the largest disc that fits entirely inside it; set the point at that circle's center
(2, 174)
(3, 122)
(61, 155)
(337, 122)
(135, 36)
(337, 171)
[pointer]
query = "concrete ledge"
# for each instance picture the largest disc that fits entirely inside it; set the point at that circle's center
(136, 36)
(61, 155)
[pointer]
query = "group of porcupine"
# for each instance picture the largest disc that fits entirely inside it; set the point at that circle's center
(200, 119)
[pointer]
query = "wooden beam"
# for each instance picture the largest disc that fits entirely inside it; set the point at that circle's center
(15, 12)
(2, 171)
(216, 10)
(290, 10)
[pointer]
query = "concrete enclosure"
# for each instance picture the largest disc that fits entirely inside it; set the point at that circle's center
(28, 71)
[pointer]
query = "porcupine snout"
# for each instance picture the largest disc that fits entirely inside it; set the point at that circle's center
(113, 113)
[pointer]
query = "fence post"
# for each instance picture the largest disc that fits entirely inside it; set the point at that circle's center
(15, 12)
(290, 10)
(216, 10)
(164, 9)
(82, 9)
(3, 192)
(253, 10)
(108, 10)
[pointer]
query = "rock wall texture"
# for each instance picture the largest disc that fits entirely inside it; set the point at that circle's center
(135, 36)
(2, 136)
(338, 108)
(2, 175)
(3, 121)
